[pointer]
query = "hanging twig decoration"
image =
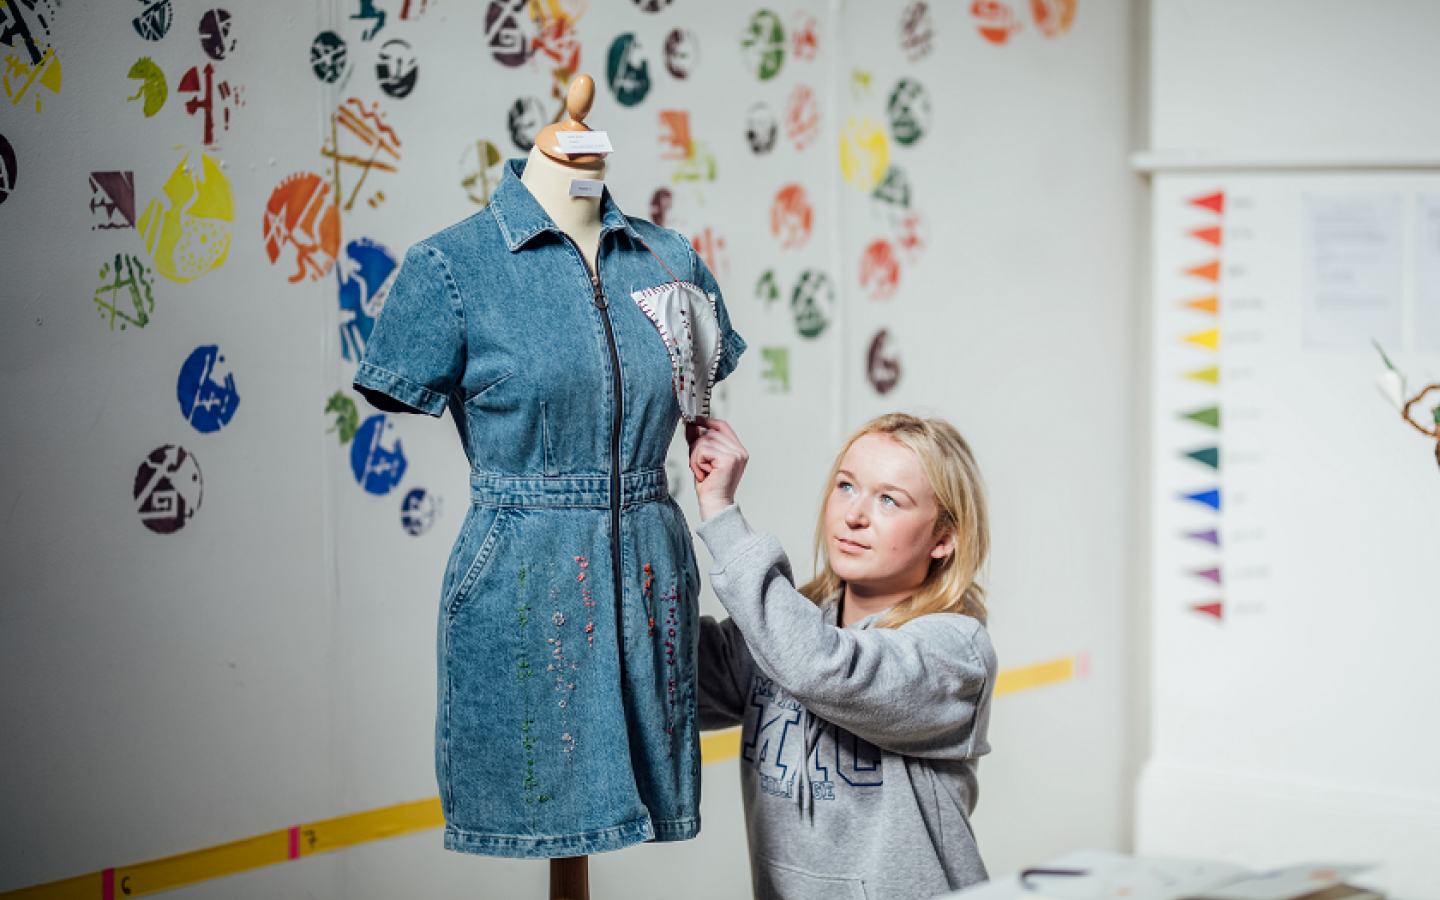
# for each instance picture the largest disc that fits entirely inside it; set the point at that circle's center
(1433, 430)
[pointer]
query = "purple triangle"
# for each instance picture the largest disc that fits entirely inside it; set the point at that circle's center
(1209, 537)
(1212, 574)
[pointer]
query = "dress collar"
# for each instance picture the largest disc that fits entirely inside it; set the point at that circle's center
(521, 216)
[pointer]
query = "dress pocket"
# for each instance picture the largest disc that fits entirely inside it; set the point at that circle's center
(477, 551)
(779, 881)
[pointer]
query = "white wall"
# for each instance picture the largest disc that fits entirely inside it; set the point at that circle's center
(272, 662)
(1296, 727)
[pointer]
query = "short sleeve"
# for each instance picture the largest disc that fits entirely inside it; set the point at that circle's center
(416, 353)
(731, 343)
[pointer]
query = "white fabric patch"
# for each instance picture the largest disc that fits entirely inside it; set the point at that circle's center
(686, 319)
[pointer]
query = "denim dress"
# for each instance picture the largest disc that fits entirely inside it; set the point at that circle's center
(568, 617)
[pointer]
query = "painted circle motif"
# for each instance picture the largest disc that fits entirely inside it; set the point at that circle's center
(376, 457)
(917, 31)
(527, 116)
(187, 228)
(761, 129)
(9, 169)
(168, 489)
(791, 216)
(652, 6)
(418, 512)
(864, 153)
(397, 69)
(767, 289)
(152, 85)
(215, 34)
(327, 56)
(480, 170)
(802, 116)
(627, 71)
(302, 215)
(912, 235)
(154, 23)
(894, 189)
(994, 20)
(763, 45)
(682, 53)
(908, 111)
(206, 390)
(812, 303)
(365, 273)
(882, 365)
(880, 270)
(1053, 17)
(804, 36)
(661, 203)
(507, 32)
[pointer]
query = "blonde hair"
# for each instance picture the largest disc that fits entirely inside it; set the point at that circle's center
(951, 585)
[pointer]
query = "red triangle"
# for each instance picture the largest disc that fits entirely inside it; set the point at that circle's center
(1214, 202)
(1209, 609)
(1209, 271)
(1208, 235)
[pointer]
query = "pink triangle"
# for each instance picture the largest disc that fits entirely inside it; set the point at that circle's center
(1212, 574)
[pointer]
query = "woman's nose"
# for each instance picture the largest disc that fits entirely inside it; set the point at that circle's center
(855, 514)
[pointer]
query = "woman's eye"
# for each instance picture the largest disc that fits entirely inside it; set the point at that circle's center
(887, 499)
(843, 486)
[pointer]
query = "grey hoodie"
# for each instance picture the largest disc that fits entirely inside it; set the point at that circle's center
(859, 745)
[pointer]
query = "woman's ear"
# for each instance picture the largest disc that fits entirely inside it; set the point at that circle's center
(944, 545)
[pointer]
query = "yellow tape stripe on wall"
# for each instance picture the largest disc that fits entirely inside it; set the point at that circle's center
(377, 824)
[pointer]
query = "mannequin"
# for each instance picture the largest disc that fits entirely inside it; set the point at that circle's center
(549, 171)
(566, 715)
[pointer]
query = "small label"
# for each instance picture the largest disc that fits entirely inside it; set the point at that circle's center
(573, 142)
(585, 187)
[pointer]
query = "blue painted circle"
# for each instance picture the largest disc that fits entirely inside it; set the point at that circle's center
(207, 402)
(376, 457)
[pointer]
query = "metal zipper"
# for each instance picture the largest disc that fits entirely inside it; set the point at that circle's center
(603, 304)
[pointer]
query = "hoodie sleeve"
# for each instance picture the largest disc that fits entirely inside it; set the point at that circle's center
(724, 674)
(920, 690)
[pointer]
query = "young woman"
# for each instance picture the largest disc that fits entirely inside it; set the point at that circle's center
(865, 694)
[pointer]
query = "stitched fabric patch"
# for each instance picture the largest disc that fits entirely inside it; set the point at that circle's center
(686, 319)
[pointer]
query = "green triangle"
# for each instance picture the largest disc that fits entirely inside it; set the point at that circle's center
(1210, 456)
(1208, 416)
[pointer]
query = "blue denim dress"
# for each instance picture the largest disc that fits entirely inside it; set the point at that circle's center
(568, 616)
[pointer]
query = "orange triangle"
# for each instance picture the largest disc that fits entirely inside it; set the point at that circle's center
(1214, 202)
(1205, 304)
(1209, 271)
(1208, 235)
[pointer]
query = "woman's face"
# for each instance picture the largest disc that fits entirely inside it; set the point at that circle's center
(880, 520)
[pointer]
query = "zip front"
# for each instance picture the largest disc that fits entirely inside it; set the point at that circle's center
(603, 304)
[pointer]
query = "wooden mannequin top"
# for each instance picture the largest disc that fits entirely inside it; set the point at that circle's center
(549, 171)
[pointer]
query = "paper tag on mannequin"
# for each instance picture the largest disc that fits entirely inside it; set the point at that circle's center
(573, 142)
(586, 187)
(686, 318)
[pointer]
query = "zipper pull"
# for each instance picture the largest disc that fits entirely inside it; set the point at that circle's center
(599, 299)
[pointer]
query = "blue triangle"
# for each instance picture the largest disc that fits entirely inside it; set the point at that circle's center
(1209, 498)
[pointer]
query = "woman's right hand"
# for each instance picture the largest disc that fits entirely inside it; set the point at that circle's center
(717, 458)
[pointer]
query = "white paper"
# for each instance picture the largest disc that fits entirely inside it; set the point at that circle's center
(1288, 883)
(573, 142)
(1353, 253)
(1427, 273)
(586, 187)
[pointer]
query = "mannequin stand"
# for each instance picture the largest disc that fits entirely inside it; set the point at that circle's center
(570, 878)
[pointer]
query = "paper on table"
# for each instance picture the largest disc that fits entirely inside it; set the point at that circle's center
(573, 142)
(1111, 876)
(1352, 259)
(1427, 272)
(1288, 883)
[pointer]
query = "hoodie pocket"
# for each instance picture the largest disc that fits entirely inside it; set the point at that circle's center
(778, 881)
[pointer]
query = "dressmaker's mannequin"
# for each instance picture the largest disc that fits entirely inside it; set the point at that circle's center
(549, 171)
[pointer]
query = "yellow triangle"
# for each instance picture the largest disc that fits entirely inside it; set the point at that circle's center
(1211, 375)
(1207, 339)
